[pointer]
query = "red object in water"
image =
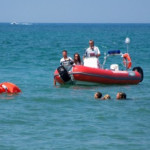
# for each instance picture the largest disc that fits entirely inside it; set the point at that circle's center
(9, 88)
(82, 74)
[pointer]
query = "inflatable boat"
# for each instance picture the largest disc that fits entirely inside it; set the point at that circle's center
(93, 73)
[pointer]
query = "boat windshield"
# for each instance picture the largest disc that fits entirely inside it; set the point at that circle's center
(117, 60)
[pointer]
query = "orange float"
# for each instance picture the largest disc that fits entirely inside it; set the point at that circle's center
(9, 88)
(2, 90)
(127, 60)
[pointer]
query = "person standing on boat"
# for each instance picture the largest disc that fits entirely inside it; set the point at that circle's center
(66, 61)
(92, 51)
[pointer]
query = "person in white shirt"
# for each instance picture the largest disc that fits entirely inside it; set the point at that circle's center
(66, 61)
(91, 54)
(92, 51)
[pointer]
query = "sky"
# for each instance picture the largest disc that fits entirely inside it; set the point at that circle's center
(75, 11)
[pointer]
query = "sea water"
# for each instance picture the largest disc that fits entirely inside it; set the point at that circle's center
(44, 116)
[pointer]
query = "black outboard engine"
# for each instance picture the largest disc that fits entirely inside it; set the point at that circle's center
(140, 70)
(63, 74)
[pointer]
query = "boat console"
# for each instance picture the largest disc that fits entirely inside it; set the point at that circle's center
(92, 62)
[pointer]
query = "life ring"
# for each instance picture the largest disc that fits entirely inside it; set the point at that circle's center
(127, 60)
(9, 88)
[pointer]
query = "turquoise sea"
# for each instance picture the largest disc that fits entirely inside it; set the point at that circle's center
(68, 117)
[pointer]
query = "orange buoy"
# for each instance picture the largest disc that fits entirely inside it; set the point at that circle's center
(9, 88)
(2, 90)
(127, 60)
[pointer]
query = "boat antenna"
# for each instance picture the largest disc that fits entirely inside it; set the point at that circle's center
(127, 41)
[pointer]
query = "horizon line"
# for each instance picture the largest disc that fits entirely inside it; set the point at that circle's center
(78, 22)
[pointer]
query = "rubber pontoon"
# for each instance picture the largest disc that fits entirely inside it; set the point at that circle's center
(90, 73)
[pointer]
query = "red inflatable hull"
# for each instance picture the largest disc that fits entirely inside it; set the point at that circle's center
(82, 74)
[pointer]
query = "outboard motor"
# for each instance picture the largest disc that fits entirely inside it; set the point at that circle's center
(140, 70)
(63, 74)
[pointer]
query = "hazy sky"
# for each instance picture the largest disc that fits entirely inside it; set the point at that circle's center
(75, 11)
